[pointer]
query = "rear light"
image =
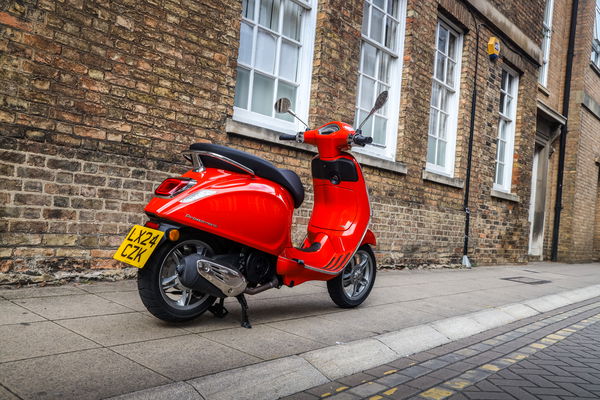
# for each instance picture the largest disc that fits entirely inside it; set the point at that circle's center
(151, 225)
(172, 186)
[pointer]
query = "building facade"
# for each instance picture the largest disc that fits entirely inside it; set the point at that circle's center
(575, 112)
(98, 99)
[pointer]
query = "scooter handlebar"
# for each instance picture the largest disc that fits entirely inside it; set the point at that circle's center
(285, 136)
(362, 140)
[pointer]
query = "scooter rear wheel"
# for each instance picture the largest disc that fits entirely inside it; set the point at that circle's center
(350, 288)
(159, 287)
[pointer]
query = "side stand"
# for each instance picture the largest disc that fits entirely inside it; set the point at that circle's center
(245, 321)
(219, 310)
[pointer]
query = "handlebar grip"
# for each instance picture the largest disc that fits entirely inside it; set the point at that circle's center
(285, 136)
(362, 140)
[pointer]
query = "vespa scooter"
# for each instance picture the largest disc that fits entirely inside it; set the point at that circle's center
(223, 228)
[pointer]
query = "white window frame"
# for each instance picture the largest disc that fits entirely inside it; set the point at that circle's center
(387, 151)
(304, 73)
(452, 122)
(546, 40)
(509, 118)
(595, 57)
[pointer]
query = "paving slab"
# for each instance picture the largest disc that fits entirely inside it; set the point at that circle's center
(178, 390)
(36, 339)
(6, 395)
(110, 330)
(383, 318)
(185, 357)
(46, 291)
(350, 358)
(268, 380)
(103, 287)
(73, 306)
(88, 374)
(322, 330)
(130, 299)
(11, 313)
(412, 340)
(263, 341)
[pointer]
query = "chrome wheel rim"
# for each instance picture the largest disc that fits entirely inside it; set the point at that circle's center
(173, 292)
(357, 275)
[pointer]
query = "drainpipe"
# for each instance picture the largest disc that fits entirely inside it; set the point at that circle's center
(563, 130)
(465, 258)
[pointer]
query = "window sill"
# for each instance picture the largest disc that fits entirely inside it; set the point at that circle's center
(505, 196)
(444, 180)
(270, 136)
(543, 89)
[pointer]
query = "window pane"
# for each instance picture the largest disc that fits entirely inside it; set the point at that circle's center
(291, 20)
(241, 88)
(379, 130)
(451, 73)
(288, 61)
(431, 150)
(452, 46)
(501, 150)
(502, 130)
(435, 95)
(248, 9)
(262, 95)
(391, 28)
(443, 128)
(245, 52)
(266, 48)
(442, 39)
(367, 90)
(376, 25)
(379, 3)
(439, 66)
(500, 174)
(288, 91)
(504, 79)
(508, 109)
(269, 14)
(502, 103)
(441, 153)
(368, 126)
(365, 21)
(433, 120)
(381, 88)
(384, 67)
(445, 95)
(369, 59)
(392, 8)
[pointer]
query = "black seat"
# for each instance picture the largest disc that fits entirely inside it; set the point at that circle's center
(286, 178)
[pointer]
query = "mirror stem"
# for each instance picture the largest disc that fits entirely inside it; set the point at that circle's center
(293, 114)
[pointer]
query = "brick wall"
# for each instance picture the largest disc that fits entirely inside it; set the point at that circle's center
(97, 99)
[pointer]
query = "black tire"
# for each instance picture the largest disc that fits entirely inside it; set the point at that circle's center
(362, 281)
(161, 299)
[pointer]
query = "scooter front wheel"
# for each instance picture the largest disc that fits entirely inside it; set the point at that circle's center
(351, 287)
(159, 287)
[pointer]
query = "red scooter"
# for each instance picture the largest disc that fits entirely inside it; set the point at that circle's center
(223, 228)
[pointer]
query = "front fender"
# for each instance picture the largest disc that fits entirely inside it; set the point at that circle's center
(369, 238)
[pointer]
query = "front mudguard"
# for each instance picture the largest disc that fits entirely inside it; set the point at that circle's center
(369, 238)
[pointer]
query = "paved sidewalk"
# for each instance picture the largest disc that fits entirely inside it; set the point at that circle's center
(97, 341)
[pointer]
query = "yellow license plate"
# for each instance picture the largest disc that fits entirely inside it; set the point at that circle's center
(138, 246)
